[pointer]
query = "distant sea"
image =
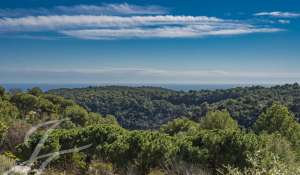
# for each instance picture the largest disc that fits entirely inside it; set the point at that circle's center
(178, 87)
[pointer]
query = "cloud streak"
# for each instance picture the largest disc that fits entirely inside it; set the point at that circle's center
(120, 27)
(278, 14)
(166, 32)
(42, 23)
(106, 9)
(122, 21)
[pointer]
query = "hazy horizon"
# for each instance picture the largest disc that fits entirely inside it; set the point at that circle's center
(178, 87)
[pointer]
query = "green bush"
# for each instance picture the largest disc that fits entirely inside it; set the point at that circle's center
(218, 120)
(180, 126)
(77, 115)
(277, 118)
(36, 91)
(222, 147)
(144, 150)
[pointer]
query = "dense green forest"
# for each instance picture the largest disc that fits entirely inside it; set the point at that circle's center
(240, 131)
(150, 107)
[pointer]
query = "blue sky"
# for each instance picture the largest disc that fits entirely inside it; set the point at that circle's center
(139, 41)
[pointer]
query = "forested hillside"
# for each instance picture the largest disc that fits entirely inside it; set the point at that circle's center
(214, 144)
(149, 107)
(22, 110)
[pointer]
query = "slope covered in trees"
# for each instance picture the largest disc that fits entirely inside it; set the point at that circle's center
(214, 144)
(149, 107)
(22, 110)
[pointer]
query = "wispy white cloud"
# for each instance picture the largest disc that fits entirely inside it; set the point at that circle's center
(115, 27)
(113, 9)
(165, 32)
(121, 21)
(278, 14)
(105, 9)
(36, 23)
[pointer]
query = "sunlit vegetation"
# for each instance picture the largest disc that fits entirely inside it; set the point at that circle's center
(192, 133)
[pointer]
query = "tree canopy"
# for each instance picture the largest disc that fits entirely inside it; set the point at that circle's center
(150, 107)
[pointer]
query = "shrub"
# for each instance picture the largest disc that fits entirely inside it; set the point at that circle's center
(218, 120)
(224, 147)
(180, 126)
(278, 119)
(36, 91)
(77, 115)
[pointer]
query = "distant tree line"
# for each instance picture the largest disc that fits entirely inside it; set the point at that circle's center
(150, 107)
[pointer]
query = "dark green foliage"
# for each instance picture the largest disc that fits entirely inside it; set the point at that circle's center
(77, 115)
(71, 138)
(8, 111)
(135, 108)
(36, 91)
(144, 150)
(25, 102)
(222, 147)
(46, 106)
(2, 91)
(277, 118)
(148, 107)
(180, 126)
